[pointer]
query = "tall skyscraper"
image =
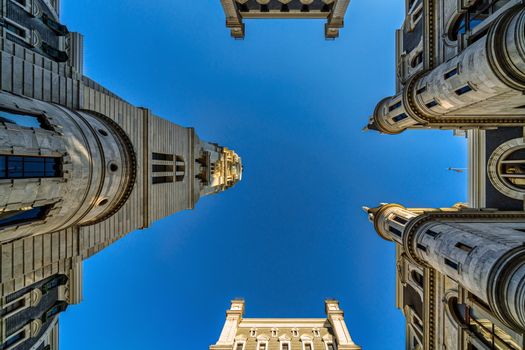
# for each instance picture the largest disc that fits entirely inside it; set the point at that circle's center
(328, 333)
(461, 270)
(79, 169)
(238, 10)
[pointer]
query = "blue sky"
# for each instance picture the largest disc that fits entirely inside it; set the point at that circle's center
(292, 232)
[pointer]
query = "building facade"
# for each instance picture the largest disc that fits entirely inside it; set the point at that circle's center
(460, 270)
(328, 333)
(238, 10)
(459, 66)
(79, 169)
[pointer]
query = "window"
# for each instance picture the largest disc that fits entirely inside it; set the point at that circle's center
(15, 29)
(180, 168)
(21, 2)
(451, 73)
(54, 283)
(395, 231)
(285, 346)
(162, 168)
(400, 220)
(253, 332)
(316, 333)
(295, 332)
(432, 233)
(421, 90)
(394, 106)
(451, 264)
(55, 310)
(12, 218)
(464, 247)
(14, 339)
(421, 247)
(11, 307)
(308, 346)
(240, 346)
(431, 104)
(162, 179)
(463, 90)
(330, 346)
(22, 167)
(274, 332)
(263, 346)
(400, 117)
(162, 156)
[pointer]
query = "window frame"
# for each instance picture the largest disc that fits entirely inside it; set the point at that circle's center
(308, 342)
(326, 344)
(27, 31)
(285, 342)
(26, 7)
(262, 342)
(239, 342)
(56, 173)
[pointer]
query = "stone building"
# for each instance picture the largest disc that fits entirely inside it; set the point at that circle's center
(238, 10)
(79, 169)
(328, 333)
(461, 270)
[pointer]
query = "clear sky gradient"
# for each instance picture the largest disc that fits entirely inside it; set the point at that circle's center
(292, 232)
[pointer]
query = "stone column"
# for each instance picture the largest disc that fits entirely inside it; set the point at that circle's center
(491, 67)
(336, 317)
(229, 330)
(483, 250)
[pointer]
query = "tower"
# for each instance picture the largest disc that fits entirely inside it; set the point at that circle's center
(79, 169)
(328, 333)
(459, 270)
(459, 66)
(238, 10)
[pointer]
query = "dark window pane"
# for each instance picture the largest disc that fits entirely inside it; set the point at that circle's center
(162, 156)
(162, 179)
(16, 30)
(14, 339)
(22, 216)
(52, 167)
(34, 165)
(2, 166)
(15, 167)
